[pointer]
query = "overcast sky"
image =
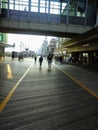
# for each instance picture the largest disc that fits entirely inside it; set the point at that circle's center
(22, 41)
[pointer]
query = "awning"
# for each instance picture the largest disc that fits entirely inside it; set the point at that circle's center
(5, 45)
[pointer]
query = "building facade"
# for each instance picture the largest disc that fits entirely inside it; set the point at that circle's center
(84, 47)
(3, 40)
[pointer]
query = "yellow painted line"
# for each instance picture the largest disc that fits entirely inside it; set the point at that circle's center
(1, 59)
(9, 72)
(7, 98)
(78, 82)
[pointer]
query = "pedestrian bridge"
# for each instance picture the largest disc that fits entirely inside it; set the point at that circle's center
(41, 24)
(53, 17)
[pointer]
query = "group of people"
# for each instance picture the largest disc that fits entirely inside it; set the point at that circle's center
(59, 59)
(49, 59)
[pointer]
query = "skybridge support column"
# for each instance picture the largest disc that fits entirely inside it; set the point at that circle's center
(29, 10)
(39, 6)
(86, 8)
(5, 5)
(60, 7)
(97, 19)
(45, 6)
(39, 9)
(49, 12)
(8, 9)
(68, 12)
(90, 57)
(80, 57)
(14, 4)
(97, 13)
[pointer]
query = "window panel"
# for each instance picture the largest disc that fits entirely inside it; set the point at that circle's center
(42, 10)
(34, 9)
(34, 5)
(4, 4)
(55, 7)
(77, 8)
(11, 1)
(42, 2)
(42, 6)
(11, 6)
(19, 4)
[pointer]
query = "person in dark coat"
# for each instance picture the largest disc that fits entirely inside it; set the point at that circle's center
(49, 58)
(40, 61)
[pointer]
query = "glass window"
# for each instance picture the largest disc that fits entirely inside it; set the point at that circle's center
(11, 1)
(54, 7)
(47, 7)
(42, 6)
(77, 8)
(34, 9)
(4, 4)
(64, 8)
(19, 4)
(34, 5)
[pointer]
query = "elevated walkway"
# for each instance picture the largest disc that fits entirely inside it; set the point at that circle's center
(42, 24)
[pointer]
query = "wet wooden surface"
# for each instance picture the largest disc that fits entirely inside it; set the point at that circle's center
(45, 100)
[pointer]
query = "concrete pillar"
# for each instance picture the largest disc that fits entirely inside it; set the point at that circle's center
(29, 10)
(96, 19)
(86, 8)
(68, 11)
(49, 12)
(80, 57)
(90, 58)
(75, 55)
(2, 53)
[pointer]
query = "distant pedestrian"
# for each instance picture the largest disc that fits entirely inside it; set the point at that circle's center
(40, 61)
(35, 58)
(61, 59)
(13, 55)
(49, 58)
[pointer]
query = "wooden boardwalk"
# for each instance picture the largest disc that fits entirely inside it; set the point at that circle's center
(43, 99)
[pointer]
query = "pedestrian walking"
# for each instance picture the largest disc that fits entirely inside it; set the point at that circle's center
(49, 58)
(40, 61)
(35, 58)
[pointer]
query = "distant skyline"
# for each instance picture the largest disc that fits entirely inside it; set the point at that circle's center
(22, 41)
